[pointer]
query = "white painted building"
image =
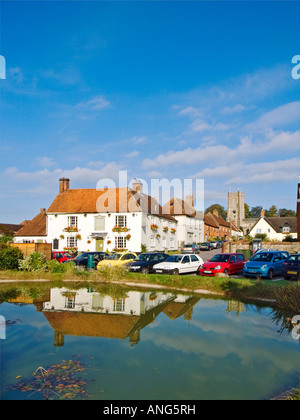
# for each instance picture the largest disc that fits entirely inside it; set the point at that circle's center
(276, 228)
(103, 220)
(190, 227)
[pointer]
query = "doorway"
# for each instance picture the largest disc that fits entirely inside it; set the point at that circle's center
(99, 244)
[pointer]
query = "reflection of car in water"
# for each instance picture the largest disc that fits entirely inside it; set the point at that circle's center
(179, 264)
(144, 262)
(118, 259)
(266, 264)
(223, 263)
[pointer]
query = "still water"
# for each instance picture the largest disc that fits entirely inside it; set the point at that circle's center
(143, 345)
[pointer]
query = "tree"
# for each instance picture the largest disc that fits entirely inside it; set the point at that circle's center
(248, 214)
(287, 213)
(256, 211)
(272, 212)
(221, 210)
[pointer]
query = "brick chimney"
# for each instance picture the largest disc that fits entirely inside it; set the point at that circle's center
(189, 199)
(262, 214)
(64, 184)
(216, 213)
(43, 211)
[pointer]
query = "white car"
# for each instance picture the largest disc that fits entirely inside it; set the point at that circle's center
(179, 264)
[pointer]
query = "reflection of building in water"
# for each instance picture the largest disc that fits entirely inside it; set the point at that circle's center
(86, 313)
(235, 306)
(182, 305)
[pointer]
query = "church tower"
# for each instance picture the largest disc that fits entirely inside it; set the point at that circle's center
(236, 208)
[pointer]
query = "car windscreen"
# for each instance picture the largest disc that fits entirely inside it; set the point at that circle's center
(84, 255)
(114, 257)
(174, 258)
(220, 258)
(67, 255)
(293, 258)
(262, 257)
(145, 257)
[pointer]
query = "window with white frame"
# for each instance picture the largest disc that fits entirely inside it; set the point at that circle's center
(72, 221)
(172, 243)
(120, 242)
(164, 242)
(119, 305)
(258, 230)
(71, 242)
(152, 241)
(70, 302)
(121, 221)
(286, 229)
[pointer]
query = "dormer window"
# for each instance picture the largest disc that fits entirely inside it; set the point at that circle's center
(286, 229)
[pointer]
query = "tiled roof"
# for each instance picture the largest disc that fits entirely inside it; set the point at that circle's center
(6, 228)
(279, 222)
(34, 227)
(105, 201)
(178, 207)
(210, 220)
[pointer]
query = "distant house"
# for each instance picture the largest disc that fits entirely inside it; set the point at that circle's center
(9, 229)
(34, 230)
(190, 228)
(217, 227)
(99, 220)
(276, 228)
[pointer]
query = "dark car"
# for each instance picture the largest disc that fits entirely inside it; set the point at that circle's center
(81, 261)
(291, 268)
(144, 262)
(206, 246)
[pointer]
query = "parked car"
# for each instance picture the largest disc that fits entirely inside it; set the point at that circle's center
(214, 244)
(266, 264)
(179, 264)
(190, 249)
(144, 262)
(81, 261)
(118, 259)
(206, 246)
(291, 267)
(61, 256)
(223, 263)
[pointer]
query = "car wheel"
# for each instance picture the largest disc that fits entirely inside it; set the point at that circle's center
(271, 274)
(176, 271)
(226, 272)
(287, 278)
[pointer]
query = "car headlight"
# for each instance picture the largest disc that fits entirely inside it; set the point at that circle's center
(218, 267)
(264, 266)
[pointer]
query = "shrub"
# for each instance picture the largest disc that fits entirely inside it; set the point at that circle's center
(9, 257)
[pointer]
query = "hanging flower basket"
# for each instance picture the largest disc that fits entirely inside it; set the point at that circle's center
(172, 230)
(78, 237)
(71, 229)
(154, 227)
(158, 236)
(72, 249)
(120, 229)
(108, 242)
(165, 229)
(128, 237)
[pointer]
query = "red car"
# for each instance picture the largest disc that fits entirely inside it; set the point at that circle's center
(223, 263)
(61, 256)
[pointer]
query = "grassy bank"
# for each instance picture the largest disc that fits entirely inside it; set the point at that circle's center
(282, 291)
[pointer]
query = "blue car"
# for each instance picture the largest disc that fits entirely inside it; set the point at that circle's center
(266, 264)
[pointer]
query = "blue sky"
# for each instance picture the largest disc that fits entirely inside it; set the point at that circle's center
(197, 90)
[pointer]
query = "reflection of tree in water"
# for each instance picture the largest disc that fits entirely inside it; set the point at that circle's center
(59, 381)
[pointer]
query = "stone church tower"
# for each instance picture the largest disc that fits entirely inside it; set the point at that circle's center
(236, 208)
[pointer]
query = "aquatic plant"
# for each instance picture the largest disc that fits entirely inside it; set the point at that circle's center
(58, 381)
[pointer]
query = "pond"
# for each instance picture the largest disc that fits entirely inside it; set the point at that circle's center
(118, 344)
